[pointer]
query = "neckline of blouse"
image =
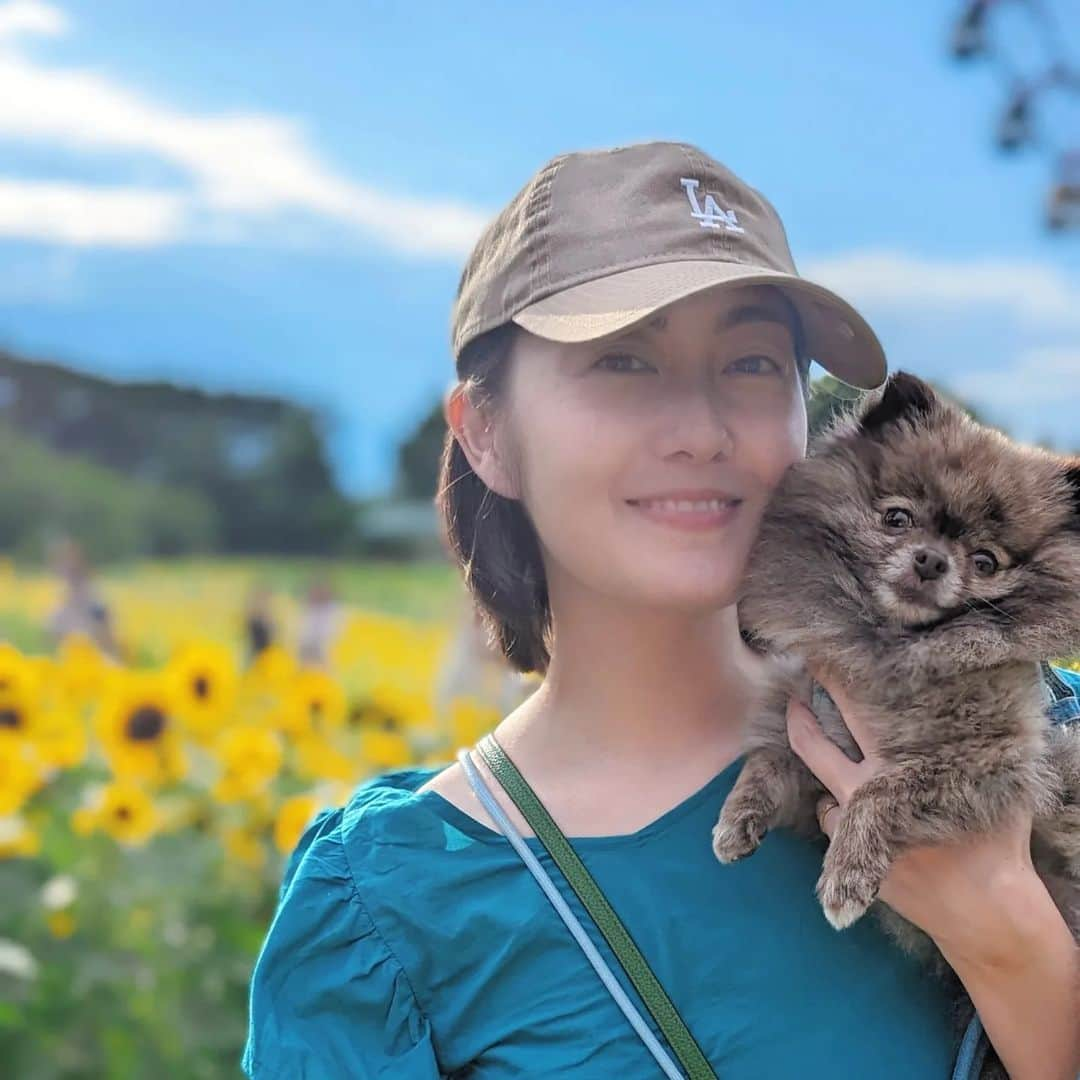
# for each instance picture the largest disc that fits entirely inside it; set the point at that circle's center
(442, 807)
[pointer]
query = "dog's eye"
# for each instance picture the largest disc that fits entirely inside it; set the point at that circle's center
(985, 563)
(896, 517)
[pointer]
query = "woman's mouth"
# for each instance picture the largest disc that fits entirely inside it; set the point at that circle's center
(692, 514)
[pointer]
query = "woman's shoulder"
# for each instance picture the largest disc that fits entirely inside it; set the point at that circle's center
(390, 792)
(309, 1010)
(388, 808)
(349, 838)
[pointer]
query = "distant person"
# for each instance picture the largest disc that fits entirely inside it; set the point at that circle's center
(473, 668)
(319, 624)
(259, 627)
(82, 609)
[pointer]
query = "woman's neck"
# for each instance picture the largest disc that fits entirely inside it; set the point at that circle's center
(638, 696)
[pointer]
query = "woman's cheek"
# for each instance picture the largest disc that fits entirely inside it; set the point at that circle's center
(777, 442)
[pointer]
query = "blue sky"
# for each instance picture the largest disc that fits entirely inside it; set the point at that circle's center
(244, 197)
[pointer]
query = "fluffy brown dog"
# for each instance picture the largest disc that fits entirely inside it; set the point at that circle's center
(933, 563)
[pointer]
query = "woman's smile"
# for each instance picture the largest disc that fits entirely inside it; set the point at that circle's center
(693, 515)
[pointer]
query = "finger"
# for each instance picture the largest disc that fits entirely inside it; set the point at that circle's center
(849, 711)
(827, 810)
(822, 756)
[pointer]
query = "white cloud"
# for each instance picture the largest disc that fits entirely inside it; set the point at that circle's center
(1044, 376)
(1034, 391)
(242, 166)
(84, 216)
(1033, 292)
(31, 17)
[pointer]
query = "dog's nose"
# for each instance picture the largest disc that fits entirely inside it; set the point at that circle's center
(930, 564)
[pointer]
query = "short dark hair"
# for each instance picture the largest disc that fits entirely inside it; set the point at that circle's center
(492, 537)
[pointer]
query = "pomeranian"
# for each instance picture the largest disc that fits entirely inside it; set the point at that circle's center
(931, 564)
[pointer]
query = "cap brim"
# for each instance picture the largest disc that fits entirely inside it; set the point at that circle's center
(837, 336)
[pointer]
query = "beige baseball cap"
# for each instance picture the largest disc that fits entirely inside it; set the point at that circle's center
(600, 239)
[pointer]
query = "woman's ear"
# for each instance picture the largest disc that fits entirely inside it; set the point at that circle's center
(476, 433)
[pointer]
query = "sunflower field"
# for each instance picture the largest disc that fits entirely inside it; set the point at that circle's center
(147, 804)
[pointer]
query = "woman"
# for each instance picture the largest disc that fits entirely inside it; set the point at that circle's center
(632, 345)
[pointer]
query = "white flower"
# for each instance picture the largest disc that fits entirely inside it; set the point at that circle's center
(17, 960)
(11, 829)
(59, 892)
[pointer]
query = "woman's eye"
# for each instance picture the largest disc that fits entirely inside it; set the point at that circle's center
(984, 562)
(896, 517)
(752, 364)
(619, 357)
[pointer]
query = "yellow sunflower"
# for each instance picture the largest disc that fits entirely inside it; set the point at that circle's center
(83, 821)
(21, 772)
(127, 813)
(386, 749)
(244, 844)
(411, 709)
(317, 759)
(59, 734)
(138, 730)
(364, 713)
(272, 668)
(81, 671)
(314, 705)
(17, 713)
(18, 674)
(470, 719)
(292, 818)
(250, 758)
(20, 691)
(204, 682)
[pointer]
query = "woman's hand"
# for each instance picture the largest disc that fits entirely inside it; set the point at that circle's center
(951, 891)
(981, 901)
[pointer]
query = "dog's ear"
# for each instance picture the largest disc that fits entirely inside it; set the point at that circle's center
(903, 397)
(1072, 478)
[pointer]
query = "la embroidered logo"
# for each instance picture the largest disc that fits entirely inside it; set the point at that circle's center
(713, 216)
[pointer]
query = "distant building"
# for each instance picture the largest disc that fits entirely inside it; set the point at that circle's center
(407, 527)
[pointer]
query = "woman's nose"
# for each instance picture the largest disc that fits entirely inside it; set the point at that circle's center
(696, 421)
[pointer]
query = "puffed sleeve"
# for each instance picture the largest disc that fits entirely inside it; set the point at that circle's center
(328, 1000)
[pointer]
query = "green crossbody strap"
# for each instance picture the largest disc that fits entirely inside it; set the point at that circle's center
(588, 892)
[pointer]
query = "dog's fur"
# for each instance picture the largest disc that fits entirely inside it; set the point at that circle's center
(946, 669)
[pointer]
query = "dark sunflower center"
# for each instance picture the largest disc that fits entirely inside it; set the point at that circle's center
(146, 723)
(123, 813)
(201, 685)
(9, 717)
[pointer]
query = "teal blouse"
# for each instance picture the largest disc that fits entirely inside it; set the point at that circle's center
(410, 942)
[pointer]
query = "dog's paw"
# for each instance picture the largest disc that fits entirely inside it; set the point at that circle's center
(844, 900)
(736, 836)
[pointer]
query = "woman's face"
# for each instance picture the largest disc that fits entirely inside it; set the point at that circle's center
(704, 398)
